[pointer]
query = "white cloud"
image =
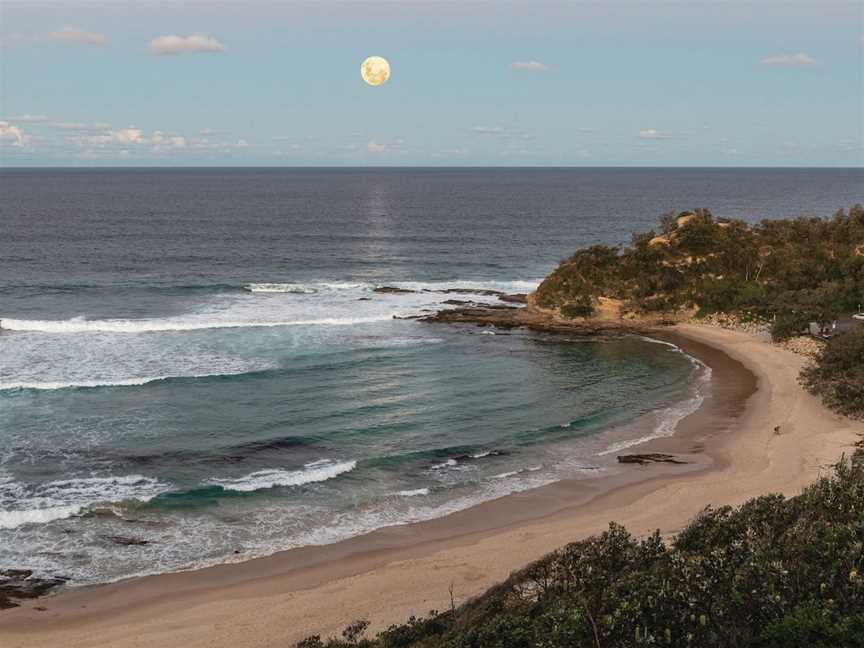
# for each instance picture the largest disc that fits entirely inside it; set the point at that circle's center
(393, 146)
(99, 127)
(128, 136)
(652, 134)
(529, 66)
(489, 130)
(502, 132)
(160, 141)
(789, 60)
(125, 138)
(28, 119)
(75, 36)
(184, 45)
(12, 134)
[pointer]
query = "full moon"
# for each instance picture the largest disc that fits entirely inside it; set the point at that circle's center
(375, 70)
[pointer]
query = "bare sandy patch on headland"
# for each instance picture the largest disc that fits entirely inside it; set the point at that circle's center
(740, 444)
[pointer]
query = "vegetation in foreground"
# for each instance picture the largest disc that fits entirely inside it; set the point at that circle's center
(773, 573)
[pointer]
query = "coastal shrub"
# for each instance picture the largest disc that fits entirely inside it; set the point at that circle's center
(789, 272)
(772, 573)
(838, 376)
(583, 306)
(788, 325)
(803, 266)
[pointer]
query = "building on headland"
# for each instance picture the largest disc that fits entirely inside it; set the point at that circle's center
(826, 330)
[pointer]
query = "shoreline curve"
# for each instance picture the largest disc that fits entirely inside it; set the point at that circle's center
(389, 574)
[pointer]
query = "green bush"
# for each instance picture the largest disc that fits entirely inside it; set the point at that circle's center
(838, 376)
(788, 325)
(582, 306)
(805, 266)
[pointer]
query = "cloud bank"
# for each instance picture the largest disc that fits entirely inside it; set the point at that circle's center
(652, 134)
(11, 134)
(529, 66)
(173, 45)
(791, 60)
(75, 36)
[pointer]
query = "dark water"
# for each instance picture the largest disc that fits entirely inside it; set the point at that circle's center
(196, 357)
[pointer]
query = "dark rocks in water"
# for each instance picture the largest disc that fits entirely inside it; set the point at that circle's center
(506, 316)
(517, 298)
(407, 317)
(467, 291)
(457, 302)
(364, 299)
(652, 457)
(126, 541)
(481, 315)
(392, 290)
(20, 584)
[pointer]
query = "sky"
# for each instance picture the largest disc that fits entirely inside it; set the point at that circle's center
(266, 83)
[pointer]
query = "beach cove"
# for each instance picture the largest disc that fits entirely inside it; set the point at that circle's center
(387, 575)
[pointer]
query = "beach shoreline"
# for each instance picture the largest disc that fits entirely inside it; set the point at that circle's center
(387, 575)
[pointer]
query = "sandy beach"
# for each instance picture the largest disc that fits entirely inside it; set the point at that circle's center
(733, 450)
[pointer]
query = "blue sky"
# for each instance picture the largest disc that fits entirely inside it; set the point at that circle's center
(473, 83)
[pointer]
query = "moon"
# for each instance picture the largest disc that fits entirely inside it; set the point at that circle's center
(375, 70)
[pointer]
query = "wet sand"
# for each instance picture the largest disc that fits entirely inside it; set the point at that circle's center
(732, 450)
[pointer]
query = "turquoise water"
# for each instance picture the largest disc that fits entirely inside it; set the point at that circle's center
(198, 361)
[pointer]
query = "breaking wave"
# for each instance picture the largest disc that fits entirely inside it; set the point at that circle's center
(317, 471)
(669, 418)
(80, 325)
(110, 382)
(61, 499)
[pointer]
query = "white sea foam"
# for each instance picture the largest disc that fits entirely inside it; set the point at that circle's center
(80, 325)
(446, 464)
(459, 284)
(107, 382)
(14, 519)
(64, 498)
(317, 471)
(338, 306)
(668, 419)
(513, 473)
(281, 288)
(413, 493)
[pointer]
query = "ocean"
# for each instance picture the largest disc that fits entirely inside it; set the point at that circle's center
(195, 367)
